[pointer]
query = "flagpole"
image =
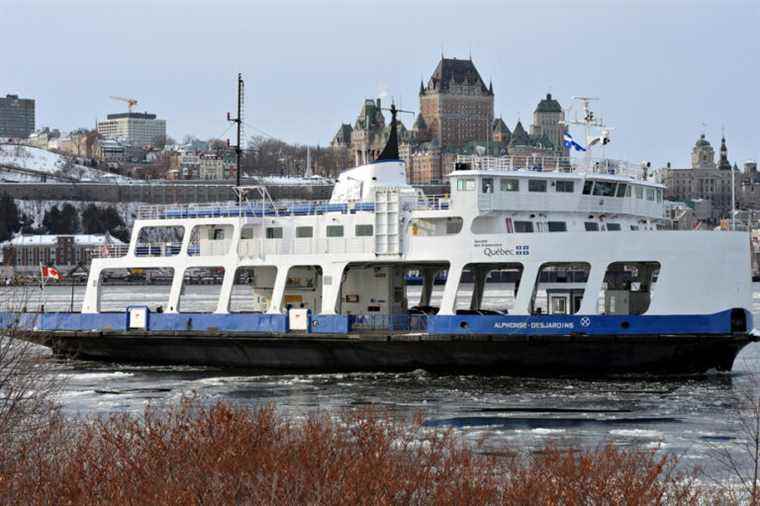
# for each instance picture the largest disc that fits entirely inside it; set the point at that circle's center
(43, 280)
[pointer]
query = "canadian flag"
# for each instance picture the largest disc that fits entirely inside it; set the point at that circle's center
(51, 272)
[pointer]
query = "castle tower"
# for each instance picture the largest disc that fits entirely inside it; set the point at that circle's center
(702, 154)
(547, 122)
(367, 136)
(456, 105)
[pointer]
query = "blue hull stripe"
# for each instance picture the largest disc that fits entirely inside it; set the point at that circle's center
(718, 323)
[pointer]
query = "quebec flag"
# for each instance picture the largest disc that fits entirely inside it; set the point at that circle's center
(569, 142)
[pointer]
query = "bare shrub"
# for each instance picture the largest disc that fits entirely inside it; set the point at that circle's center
(191, 454)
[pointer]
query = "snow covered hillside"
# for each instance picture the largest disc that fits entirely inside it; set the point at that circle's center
(35, 162)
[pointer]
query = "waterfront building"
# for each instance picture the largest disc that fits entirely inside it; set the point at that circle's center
(705, 179)
(16, 117)
(25, 253)
(134, 128)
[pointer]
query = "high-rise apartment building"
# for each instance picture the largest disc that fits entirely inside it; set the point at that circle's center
(134, 128)
(16, 117)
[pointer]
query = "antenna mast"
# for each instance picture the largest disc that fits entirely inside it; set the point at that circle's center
(589, 121)
(239, 121)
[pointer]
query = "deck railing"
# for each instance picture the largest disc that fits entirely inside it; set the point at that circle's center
(306, 208)
(550, 163)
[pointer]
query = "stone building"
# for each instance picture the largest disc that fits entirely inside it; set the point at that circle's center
(25, 253)
(548, 124)
(705, 179)
(456, 105)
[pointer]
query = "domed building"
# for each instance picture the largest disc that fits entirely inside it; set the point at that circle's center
(548, 121)
(702, 154)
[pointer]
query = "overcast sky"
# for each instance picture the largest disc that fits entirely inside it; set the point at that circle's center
(661, 68)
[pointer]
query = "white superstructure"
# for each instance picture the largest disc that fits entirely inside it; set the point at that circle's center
(572, 242)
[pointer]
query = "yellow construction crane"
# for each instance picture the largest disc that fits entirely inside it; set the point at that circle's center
(131, 102)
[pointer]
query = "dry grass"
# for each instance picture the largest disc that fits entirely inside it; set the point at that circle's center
(224, 454)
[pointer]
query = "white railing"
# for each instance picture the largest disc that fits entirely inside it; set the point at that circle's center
(260, 247)
(551, 163)
(110, 251)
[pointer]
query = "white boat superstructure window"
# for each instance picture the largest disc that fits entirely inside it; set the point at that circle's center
(363, 230)
(274, 233)
(466, 184)
(564, 186)
(557, 226)
(591, 226)
(537, 185)
(509, 184)
(523, 227)
(304, 232)
(334, 231)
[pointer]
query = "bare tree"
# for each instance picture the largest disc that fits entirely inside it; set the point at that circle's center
(741, 460)
(27, 387)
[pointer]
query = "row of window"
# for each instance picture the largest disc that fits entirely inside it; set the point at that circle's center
(522, 227)
(306, 232)
(590, 187)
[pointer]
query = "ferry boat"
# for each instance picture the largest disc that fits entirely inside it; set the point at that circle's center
(595, 282)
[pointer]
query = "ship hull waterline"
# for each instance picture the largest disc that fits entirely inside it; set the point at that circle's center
(601, 355)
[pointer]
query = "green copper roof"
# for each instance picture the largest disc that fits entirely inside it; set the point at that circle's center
(548, 105)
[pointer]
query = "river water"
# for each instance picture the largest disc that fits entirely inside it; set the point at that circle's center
(691, 417)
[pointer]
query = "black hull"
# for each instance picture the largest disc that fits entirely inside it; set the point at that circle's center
(514, 355)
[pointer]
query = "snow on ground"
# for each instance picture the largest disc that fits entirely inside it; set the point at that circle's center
(44, 161)
(35, 209)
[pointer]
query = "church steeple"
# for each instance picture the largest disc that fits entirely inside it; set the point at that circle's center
(724, 164)
(422, 87)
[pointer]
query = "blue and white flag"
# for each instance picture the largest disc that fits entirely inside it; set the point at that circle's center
(569, 142)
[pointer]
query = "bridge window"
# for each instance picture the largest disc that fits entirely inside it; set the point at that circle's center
(304, 232)
(487, 185)
(334, 231)
(466, 184)
(628, 287)
(559, 288)
(564, 186)
(639, 192)
(536, 185)
(557, 226)
(587, 186)
(604, 188)
(613, 227)
(509, 184)
(523, 227)
(659, 195)
(591, 226)
(363, 231)
(650, 194)
(622, 188)
(274, 233)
